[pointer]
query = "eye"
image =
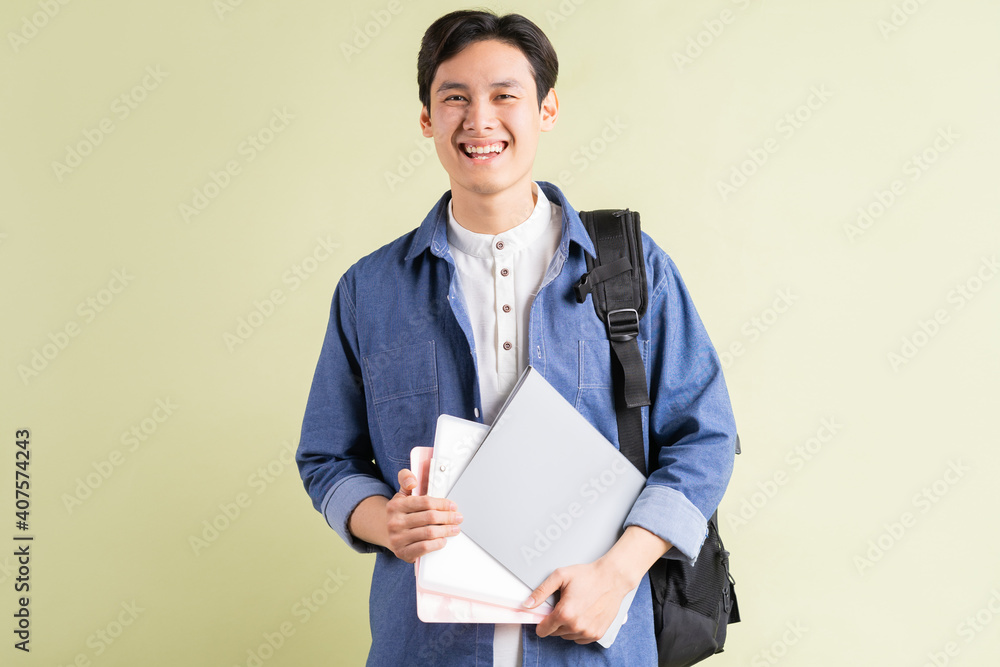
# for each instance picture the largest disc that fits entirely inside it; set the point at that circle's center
(507, 95)
(453, 97)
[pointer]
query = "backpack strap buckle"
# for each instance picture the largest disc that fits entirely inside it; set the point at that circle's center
(623, 324)
(590, 280)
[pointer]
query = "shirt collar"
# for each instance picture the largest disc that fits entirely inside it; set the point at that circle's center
(510, 241)
(433, 231)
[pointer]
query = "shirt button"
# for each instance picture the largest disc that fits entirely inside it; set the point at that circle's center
(506, 308)
(504, 272)
(499, 245)
(507, 346)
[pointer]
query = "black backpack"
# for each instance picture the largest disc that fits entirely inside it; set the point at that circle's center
(692, 604)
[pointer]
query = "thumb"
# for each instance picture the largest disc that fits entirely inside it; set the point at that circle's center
(551, 584)
(407, 481)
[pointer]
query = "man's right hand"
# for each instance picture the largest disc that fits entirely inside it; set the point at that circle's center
(418, 524)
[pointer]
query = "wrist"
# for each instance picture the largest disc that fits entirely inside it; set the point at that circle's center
(367, 521)
(623, 572)
(633, 554)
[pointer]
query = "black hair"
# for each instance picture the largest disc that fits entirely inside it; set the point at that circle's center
(453, 32)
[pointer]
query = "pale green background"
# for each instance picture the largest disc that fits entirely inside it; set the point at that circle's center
(324, 175)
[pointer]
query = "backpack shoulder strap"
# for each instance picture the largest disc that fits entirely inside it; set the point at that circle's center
(616, 281)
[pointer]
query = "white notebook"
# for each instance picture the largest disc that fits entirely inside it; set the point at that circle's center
(546, 489)
(462, 568)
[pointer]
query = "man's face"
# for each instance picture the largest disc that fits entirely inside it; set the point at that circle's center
(484, 98)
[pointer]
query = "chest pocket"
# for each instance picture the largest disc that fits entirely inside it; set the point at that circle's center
(595, 397)
(404, 394)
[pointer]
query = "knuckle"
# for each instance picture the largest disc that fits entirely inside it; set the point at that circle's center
(435, 533)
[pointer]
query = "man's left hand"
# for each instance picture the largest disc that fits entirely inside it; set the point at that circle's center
(590, 597)
(592, 593)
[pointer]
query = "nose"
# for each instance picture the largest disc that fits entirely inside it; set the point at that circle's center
(479, 117)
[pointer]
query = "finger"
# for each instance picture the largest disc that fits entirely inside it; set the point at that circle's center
(551, 584)
(566, 630)
(552, 625)
(405, 531)
(407, 481)
(404, 504)
(420, 503)
(414, 515)
(412, 552)
(412, 543)
(431, 533)
(547, 628)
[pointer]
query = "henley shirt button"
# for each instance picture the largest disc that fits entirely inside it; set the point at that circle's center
(499, 245)
(507, 346)
(506, 308)
(504, 272)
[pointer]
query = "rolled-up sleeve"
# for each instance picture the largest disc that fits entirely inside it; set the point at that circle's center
(335, 456)
(690, 418)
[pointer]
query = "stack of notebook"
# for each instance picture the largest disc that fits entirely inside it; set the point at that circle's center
(540, 489)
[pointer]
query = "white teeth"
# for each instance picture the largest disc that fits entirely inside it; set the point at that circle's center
(492, 148)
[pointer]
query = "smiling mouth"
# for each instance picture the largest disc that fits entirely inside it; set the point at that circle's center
(483, 153)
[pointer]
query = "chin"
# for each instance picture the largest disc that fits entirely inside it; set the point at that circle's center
(488, 188)
(485, 186)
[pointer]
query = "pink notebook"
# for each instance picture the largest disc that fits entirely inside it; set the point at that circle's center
(434, 607)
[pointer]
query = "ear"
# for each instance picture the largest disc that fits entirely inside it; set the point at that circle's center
(425, 123)
(549, 111)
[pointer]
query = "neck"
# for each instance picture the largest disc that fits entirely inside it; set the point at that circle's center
(493, 213)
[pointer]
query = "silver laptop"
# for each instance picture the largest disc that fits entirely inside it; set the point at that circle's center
(546, 489)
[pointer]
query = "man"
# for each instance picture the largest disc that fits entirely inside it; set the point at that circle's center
(445, 318)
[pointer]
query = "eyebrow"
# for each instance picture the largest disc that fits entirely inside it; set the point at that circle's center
(456, 85)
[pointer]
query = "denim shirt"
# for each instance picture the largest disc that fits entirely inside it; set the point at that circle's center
(399, 351)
